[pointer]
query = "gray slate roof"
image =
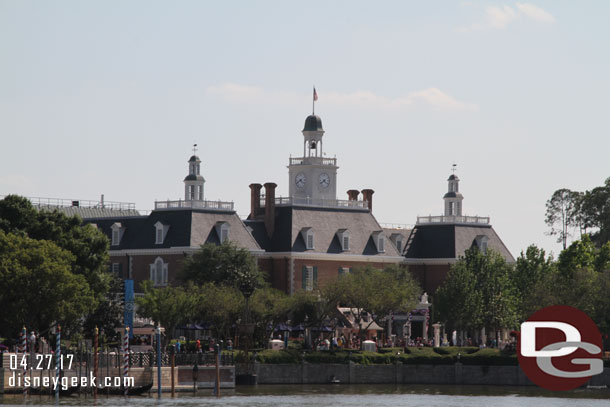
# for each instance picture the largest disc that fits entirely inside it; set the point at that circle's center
(443, 241)
(87, 213)
(187, 228)
(324, 222)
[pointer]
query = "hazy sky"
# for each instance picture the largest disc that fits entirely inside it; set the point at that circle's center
(107, 97)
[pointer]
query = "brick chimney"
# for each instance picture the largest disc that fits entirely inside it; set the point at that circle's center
(352, 194)
(367, 195)
(255, 200)
(270, 207)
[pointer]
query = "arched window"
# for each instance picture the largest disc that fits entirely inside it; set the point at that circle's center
(158, 272)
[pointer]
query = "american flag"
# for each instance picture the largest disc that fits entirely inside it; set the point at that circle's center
(315, 95)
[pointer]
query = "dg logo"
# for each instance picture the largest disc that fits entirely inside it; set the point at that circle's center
(560, 348)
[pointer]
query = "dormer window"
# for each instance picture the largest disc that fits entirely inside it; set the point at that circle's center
(343, 236)
(481, 243)
(379, 240)
(307, 234)
(160, 232)
(222, 229)
(117, 233)
(398, 241)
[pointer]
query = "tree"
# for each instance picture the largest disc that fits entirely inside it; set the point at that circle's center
(561, 212)
(594, 209)
(532, 270)
(579, 255)
(378, 292)
(39, 286)
(268, 307)
(224, 264)
(478, 292)
(167, 306)
(219, 305)
(459, 303)
(88, 245)
(108, 315)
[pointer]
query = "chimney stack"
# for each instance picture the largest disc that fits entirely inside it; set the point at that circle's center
(352, 194)
(367, 195)
(255, 200)
(270, 207)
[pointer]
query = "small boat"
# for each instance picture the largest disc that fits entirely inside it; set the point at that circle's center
(49, 391)
(119, 391)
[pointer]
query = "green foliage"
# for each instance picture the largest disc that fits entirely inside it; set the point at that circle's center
(276, 357)
(561, 213)
(532, 272)
(168, 306)
(87, 245)
(478, 292)
(224, 264)
(43, 289)
(589, 211)
(411, 355)
(579, 255)
(373, 291)
(218, 304)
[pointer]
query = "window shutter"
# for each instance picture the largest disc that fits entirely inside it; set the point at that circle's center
(121, 270)
(165, 267)
(315, 277)
(304, 278)
(340, 271)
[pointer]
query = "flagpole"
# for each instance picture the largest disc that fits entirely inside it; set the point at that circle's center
(313, 101)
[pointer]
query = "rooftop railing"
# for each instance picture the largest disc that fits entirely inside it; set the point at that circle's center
(395, 225)
(82, 203)
(312, 161)
(480, 220)
(180, 204)
(324, 203)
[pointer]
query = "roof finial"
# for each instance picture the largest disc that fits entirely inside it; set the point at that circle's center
(195, 149)
(313, 104)
(454, 167)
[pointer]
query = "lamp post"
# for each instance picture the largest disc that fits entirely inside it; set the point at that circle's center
(158, 337)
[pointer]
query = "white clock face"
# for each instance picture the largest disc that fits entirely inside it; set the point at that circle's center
(324, 180)
(300, 180)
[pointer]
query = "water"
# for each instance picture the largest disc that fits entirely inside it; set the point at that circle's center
(348, 396)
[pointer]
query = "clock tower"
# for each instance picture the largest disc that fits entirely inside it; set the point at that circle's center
(313, 177)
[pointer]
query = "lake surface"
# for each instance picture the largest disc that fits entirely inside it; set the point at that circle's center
(348, 395)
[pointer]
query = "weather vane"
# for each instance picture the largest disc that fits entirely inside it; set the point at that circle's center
(194, 148)
(454, 167)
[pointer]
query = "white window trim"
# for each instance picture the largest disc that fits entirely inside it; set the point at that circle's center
(160, 227)
(344, 239)
(117, 233)
(307, 234)
(159, 277)
(379, 240)
(309, 278)
(222, 230)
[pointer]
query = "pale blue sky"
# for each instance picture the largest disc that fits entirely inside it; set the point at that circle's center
(108, 97)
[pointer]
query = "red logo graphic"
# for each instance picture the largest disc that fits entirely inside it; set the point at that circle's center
(560, 348)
